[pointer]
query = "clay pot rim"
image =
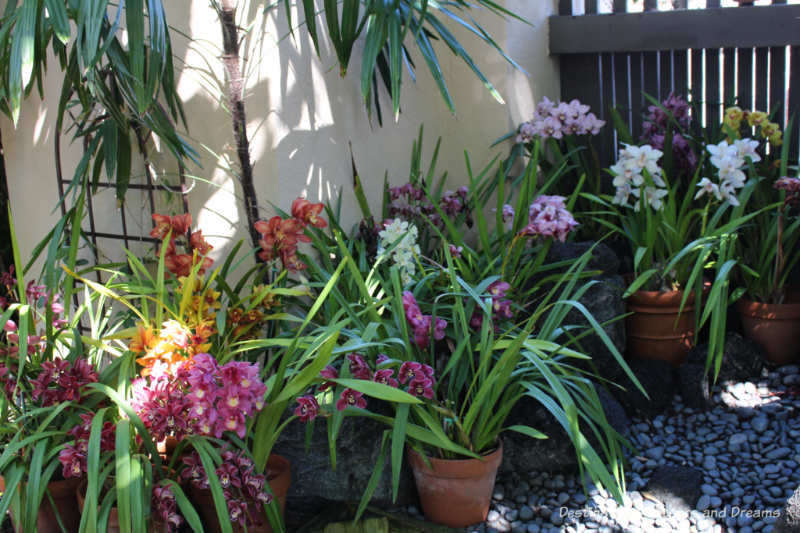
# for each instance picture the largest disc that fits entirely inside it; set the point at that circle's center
(753, 308)
(57, 487)
(457, 468)
(663, 298)
(278, 462)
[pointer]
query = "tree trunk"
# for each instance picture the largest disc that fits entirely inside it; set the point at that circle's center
(231, 60)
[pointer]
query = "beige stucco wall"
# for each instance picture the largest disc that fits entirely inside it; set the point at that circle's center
(301, 116)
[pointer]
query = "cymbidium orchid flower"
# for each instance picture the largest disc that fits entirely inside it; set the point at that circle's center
(307, 408)
(399, 240)
(629, 171)
(308, 212)
(243, 489)
(281, 236)
(548, 216)
(385, 377)
(555, 120)
(421, 324)
(351, 398)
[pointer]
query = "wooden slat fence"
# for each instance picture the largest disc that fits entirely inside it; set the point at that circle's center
(713, 54)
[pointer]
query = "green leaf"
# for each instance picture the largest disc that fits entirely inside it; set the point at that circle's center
(300, 381)
(374, 479)
(187, 509)
(123, 164)
(23, 46)
(527, 430)
(205, 450)
(123, 475)
(377, 390)
(58, 17)
(12, 478)
(134, 18)
(398, 445)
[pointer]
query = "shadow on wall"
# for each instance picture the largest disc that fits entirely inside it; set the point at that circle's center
(302, 114)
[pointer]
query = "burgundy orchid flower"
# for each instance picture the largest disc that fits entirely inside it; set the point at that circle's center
(350, 397)
(328, 373)
(421, 386)
(307, 408)
(385, 377)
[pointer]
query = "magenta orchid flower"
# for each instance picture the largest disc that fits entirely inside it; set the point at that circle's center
(408, 371)
(385, 377)
(498, 289)
(350, 397)
(359, 369)
(307, 408)
(421, 386)
(328, 373)
(165, 506)
(421, 324)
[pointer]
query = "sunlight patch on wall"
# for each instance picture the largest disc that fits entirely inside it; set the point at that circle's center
(39, 126)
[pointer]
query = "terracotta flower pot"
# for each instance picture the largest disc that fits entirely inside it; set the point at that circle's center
(279, 477)
(63, 494)
(776, 327)
(166, 447)
(655, 330)
(457, 492)
(155, 526)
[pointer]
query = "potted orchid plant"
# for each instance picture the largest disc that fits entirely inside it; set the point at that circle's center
(220, 369)
(767, 249)
(559, 137)
(679, 211)
(770, 313)
(47, 370)
(447, 323)
(183, 410)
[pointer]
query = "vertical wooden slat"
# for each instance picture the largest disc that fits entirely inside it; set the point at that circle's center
(680, 61)
(608, 148)
(729, 77)
(679, 4)
(591, 7)
(762, 78)
(665, 76)
(635, 87)
(565, 7)
(712, 3)
(650, 5)
(620, 6)
(622, 103)
(580, 79)
(650, 67)
(745, 75)
(777, 82)
(712, 87)
(696, 90)
(635, 81)
(794, 99)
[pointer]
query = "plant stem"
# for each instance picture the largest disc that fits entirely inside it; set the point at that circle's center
(779, 259)
(231, 60)
(705, 218)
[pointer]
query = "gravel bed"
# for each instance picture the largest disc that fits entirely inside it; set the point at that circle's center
(737, 463)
